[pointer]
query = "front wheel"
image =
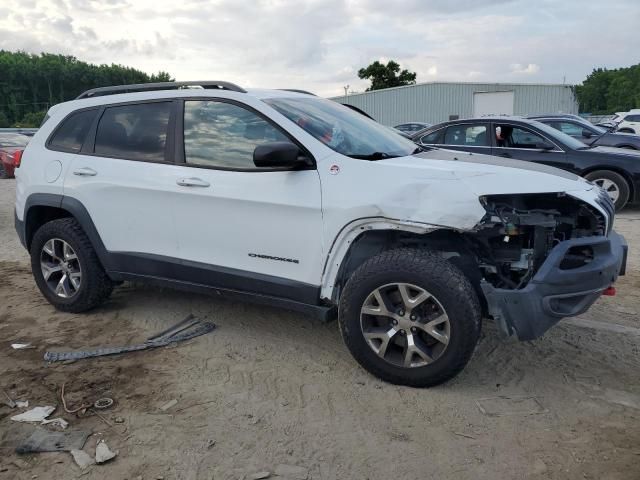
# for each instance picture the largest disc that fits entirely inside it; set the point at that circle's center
(410, 317)
(66, 268)
(613, 184)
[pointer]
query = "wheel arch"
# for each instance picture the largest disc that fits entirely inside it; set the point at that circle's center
(363, 239)
(42, 208)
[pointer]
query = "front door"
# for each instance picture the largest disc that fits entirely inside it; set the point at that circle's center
(242, 227)
(522, 143)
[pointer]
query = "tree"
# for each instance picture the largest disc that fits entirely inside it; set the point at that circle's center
(30, 84)
(608, 91)
(386, 76)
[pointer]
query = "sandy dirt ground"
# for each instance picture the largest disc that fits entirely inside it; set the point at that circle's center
(273, 391)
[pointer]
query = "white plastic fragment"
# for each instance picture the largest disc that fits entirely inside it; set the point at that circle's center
(104, 453)
(37, 414)
(57, 422)
(168, 405)
(82, 458)
(20, 346)
(22, 404)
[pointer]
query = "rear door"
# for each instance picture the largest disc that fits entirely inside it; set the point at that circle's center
(522, 143)
(125, 177)
(242, 227)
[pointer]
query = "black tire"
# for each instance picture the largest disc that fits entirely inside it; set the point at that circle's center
(620, 182)
(444, 282)
(95, 286)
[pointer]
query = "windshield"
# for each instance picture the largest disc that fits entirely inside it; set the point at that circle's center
(13, 140)
(343, 130)
(562, 137)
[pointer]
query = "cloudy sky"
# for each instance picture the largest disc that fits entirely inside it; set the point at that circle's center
(319, 45)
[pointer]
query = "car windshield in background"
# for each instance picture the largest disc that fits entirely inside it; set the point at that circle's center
(13, 140)
(342, 129)
(562, 137)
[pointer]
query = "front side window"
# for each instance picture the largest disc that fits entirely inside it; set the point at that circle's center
(509, 136)
(70, 135)
(467, 135)
(342, 129)
(224, 135)
(134, 132)
(571, 129)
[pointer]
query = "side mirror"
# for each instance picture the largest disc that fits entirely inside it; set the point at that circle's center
(586, 133)
(280, 155)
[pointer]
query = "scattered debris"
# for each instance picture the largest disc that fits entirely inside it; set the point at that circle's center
(21, 464)
(259, 475)
(56, 422)
(103, 403)
(42, 440)
(168, 405)
(9, 402)
(22, 404)
(460, 434)
(84, 406)
(21, 346)
(82, 458)
(292, 471)
(502, 406)
(104, 453)
(210, 443)
(189, 328)
(37, 414)
(118, 420)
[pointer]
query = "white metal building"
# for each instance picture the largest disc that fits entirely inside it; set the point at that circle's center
(437, 102)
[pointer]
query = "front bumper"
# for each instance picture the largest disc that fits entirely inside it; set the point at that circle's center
(554, 293)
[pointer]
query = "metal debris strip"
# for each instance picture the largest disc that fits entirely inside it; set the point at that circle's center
(42, 440)
(187, 329)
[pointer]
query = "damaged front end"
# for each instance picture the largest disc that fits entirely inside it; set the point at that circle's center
(543, 257)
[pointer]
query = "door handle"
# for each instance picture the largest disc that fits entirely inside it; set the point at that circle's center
(192, 182)
(85, 172)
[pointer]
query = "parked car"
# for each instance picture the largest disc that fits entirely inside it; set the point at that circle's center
(362, 112)
(10, 144)
(629, 122)
(412, 127)
(589, 133)
(296, 201)
(616, 170)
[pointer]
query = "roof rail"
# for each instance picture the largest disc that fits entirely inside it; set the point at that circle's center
(295, 90)
(147, 87)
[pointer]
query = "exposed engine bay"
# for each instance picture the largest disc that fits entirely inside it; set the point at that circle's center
(518, 231)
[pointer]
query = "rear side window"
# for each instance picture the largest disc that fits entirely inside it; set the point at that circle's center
(71, 133)
(632, 118)
(134, 132)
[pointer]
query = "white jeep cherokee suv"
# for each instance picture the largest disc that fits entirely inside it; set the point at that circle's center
(293, 200)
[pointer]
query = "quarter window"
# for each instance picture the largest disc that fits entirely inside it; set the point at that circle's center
(70, 136)
(632, 118)
(467, 135)
(432, 138)
(134, 132)
(224, 135)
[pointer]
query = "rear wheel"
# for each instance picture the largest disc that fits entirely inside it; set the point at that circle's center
(66, 267)
(410, 317)
(614, 184)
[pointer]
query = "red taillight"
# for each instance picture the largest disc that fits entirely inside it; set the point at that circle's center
(17, 158)
(609, 292)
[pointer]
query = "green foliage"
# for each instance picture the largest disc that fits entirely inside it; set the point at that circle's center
(608, 91)
(30, 84)
(31, 120)
(386, 76)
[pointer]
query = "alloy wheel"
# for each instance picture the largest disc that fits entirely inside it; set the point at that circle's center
(405, 325)
(610, 187)
(60, 268)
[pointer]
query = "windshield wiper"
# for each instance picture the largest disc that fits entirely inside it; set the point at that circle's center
(373, 156)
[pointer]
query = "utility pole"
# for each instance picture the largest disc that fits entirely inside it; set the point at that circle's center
(346, 90)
